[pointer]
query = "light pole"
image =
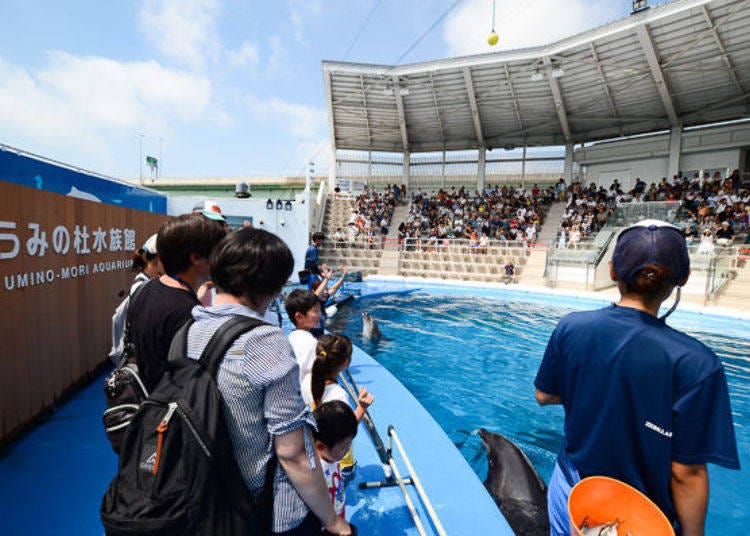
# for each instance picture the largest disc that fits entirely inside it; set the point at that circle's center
(159, 162)
(140, 159)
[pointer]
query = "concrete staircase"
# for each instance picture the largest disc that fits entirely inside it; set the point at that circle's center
(533, 271)
(399, 216)
(551, 223)
(358, 258)
(389, 262)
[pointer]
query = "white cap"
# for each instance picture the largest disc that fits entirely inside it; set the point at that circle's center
(150, 245)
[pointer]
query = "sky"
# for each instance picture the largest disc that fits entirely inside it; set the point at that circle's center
(224, 88)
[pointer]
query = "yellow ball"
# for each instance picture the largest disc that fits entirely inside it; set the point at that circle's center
(492, 39)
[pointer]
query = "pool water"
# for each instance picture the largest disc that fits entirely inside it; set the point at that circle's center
(471, 362)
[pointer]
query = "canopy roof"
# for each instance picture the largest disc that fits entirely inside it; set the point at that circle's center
(685, 63)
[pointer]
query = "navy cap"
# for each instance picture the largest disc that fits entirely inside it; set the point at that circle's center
(651, 242)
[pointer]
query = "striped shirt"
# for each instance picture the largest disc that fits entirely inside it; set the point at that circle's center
(259, 382)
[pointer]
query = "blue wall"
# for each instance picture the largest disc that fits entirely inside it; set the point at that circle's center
(33, 173)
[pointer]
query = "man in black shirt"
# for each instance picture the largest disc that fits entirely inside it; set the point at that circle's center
(725, 234)
(163, 305)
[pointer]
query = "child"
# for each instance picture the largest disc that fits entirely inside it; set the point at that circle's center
(303, 308)
(334, 354)
(337, 427)
(320, 288)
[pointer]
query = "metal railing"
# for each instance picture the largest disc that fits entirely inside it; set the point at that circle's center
(321, 200)
(390, 469)
(464, 246)
(720, 271)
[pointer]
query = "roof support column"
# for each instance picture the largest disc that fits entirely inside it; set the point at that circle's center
(481, 169)
(332, 167)
(675, 148)
(406, 173)
(332, 162)
(369, 167)
(443, 174)
(523, 168)
(568, 170)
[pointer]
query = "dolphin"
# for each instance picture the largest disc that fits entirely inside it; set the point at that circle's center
(80, 194)
(517, 488)
(370, 329)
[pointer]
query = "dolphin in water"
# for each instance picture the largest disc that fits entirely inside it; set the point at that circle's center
(517, 488)
(370, 329)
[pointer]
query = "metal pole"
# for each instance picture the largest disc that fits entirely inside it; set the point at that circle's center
(158, 165)
(417, 482)
(140, 159)
(523, 168)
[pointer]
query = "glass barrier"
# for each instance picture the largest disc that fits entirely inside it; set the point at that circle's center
(721, 270)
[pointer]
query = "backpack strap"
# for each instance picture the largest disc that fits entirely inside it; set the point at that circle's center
(223, 339)
(127, 340)
(210, 359)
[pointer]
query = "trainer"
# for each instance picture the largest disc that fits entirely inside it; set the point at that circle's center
(644, 403)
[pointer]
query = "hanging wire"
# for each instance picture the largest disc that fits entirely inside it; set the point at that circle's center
(357, 35)
(493, 16)
(432, 27)
(361, 28)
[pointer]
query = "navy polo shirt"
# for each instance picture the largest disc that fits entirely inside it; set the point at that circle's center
(637, 395)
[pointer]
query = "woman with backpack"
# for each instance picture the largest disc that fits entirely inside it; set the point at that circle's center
(259, 382)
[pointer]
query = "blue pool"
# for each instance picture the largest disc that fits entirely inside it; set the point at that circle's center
(471, 362)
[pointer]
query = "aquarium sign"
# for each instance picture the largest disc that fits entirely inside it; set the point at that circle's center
(35, 241)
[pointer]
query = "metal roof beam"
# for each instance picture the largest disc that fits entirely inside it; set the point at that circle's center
(605, 86)
(437, 108)
(329, 105)
(554, 85)
(364, 103)
(647, 45)
(474, 108)
(401, 114)
(722, 49)
(514, 99)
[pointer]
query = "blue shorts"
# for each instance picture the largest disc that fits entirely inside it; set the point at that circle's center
(560, 485)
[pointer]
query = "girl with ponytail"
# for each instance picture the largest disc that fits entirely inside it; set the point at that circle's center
(334, 353)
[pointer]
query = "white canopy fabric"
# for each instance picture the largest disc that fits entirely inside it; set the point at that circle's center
(682, 64)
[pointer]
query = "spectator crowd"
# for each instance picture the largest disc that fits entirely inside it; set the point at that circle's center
(499, 213)
(714, 209)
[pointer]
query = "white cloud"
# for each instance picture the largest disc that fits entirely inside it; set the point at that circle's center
(277, 59)
(307, 127)
(523, 23)
(245, 57)
(81, 108)
(182, 30)
(300, 12)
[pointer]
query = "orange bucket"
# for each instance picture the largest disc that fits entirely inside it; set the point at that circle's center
(603, 500)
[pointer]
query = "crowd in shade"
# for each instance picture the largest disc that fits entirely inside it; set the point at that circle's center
(371, 217)
(715, 209)
(504, 213)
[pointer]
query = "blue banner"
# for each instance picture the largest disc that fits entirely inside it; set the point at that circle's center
(27, 171)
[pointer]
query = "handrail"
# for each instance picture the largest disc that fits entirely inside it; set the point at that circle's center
(604, 248)
(417, 483)
(443, 243)
(321, 202)
(407, 498)
(392, 474)
(351, 388)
